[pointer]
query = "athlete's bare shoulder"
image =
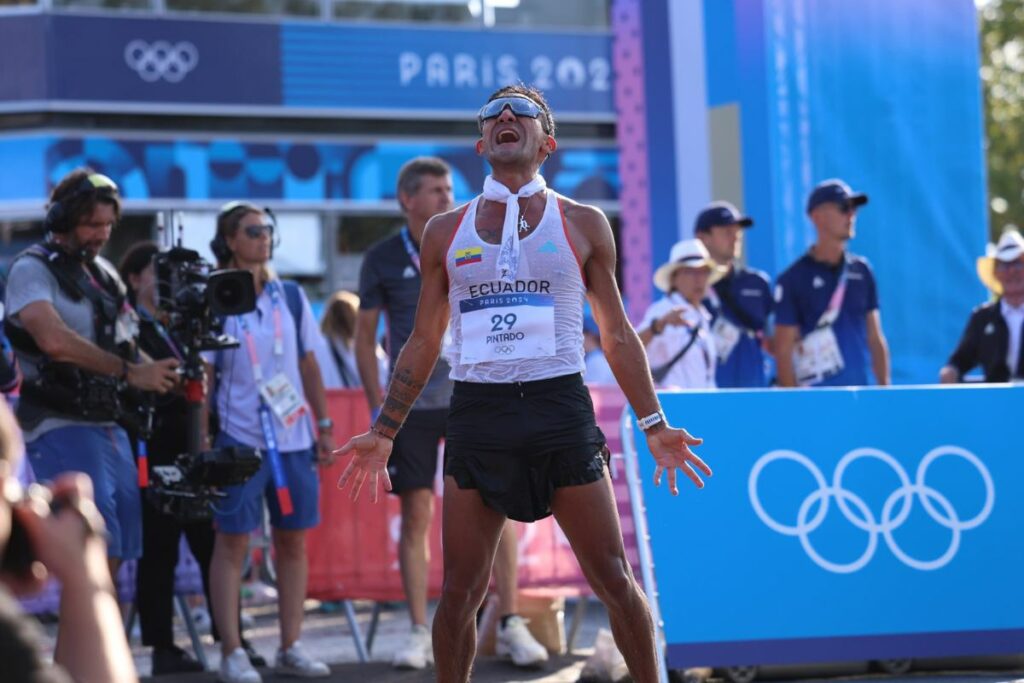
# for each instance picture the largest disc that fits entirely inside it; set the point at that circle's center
(588, 226)
(440, 229)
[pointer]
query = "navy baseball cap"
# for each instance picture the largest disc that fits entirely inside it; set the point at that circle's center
(721, 213)
(835, 191)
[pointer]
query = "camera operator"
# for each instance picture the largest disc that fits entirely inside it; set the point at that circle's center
(55, 531)
(264, 391)
(73, 334)
(162, 530)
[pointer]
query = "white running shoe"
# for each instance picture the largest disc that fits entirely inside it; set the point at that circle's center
(235, 668)
(295, 661)
(515, 641)
(418, 651)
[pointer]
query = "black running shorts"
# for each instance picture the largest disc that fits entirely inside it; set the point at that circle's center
(413, 461)
(516, 443)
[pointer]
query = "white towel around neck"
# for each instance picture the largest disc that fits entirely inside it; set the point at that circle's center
(508, 255)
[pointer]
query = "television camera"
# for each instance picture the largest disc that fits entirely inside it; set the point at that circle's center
(194, 299)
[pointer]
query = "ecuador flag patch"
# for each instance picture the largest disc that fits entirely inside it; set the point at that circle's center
(464, 257)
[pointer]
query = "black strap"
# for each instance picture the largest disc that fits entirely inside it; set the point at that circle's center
(1020, 356)
(101, 290)
(661, 372)
(340, 362)
(726, 296)
(294, 300)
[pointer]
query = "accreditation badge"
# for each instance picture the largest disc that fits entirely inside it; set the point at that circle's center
(817, 357)
(283, 399)
(726, 337)
(507, 327)
(126, 328)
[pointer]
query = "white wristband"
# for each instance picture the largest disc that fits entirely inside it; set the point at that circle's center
(651, 420)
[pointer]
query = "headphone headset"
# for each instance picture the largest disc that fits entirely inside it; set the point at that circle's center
(57, 218)
(219, 243)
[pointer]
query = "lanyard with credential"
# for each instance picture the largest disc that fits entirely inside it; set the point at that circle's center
(162, 331)
(836, 302)
(284, 498)
(414, 255)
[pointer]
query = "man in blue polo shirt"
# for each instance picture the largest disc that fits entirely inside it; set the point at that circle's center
(740, 302)
(827, 325)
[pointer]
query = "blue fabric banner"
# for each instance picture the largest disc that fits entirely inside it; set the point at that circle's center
(840, 525)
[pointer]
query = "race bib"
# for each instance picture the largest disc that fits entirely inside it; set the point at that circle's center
(507, 327)
(817, 357)
(283, 399)
(726, 336)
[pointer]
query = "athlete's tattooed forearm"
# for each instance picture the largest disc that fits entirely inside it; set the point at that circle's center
(386, 422)
(394, 405)
(402, 394)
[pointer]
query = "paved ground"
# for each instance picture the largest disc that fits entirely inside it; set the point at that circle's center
(327, 635)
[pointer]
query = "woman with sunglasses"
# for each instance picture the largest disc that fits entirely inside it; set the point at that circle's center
(268, 395)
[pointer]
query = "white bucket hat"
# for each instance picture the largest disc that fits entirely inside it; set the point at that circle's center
(1009, 248)
(688, 253)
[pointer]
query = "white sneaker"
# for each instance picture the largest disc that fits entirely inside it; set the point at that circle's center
(235, 668)
(515, 641)
(295, 661)
(417, 652)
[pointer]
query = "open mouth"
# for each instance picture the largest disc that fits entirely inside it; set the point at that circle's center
(506, 136)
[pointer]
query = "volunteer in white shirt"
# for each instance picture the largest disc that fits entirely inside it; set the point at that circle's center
(676, 329)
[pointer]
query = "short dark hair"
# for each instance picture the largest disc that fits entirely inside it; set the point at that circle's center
(136, 260)
(530, 93)
(410, 177)
(77, 206)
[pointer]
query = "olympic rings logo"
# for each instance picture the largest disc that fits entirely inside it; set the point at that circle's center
(161, 60)
(505, 349)
(857, 512)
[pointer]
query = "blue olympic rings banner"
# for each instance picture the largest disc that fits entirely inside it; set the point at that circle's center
(333, 67)
(842, 524)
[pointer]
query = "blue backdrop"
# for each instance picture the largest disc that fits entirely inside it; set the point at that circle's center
(285, 170)
(887, 96)
(842, 524)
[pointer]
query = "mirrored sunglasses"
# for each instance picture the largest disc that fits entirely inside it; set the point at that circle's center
(257, 231)
(520, 106)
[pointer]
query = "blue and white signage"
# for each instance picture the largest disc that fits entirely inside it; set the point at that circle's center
(251, 68)
(842, 524)
(429, 70)
(294, 171)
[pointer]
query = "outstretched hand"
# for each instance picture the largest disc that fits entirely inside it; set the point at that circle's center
(671, 450)
(370, 453)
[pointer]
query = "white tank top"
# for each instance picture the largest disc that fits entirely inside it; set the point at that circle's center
(518, 331)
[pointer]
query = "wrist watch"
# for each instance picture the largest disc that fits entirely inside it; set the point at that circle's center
(651, 420)
(325, 425)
